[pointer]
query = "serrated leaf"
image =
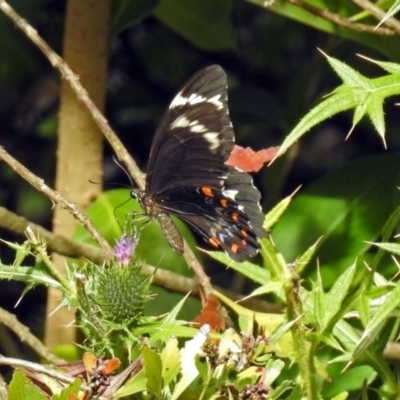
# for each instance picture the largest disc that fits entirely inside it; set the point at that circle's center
(274, 261)
(375, 112)
(271, 287)
(346, 334)
(391, 67)
(135, 385)
(273, 216)
(348, 75)
(359, 113)
(358, 92)
(331, 341)
(170, 358)
(393, 248)
(363, 304)
(305, 258)
(21, 388)
(152, 369)
(274, 368)
(378, 321)
(163, 332)
(318, 295)
(335, 297)
(28, 275)
(70, 390)
(254, 272)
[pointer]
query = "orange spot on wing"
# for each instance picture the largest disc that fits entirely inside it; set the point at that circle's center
(243, 232)
(235, 216)
(214, 242)
(224, 203)
(235, 248)
(207, 191)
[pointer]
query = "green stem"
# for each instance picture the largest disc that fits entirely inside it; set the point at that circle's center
(40, 250)
(302, 347)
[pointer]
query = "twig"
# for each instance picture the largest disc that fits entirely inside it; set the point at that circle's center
(38, 368)
(379, 14)
(57, 243)
(338, 20)
(56, 197)
(102, 123)
(25, 335)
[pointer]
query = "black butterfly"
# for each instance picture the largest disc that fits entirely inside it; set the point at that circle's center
(187, 175)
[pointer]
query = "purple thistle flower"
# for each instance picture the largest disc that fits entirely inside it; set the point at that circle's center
(124, 248)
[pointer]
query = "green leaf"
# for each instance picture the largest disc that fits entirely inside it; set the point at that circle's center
(162, 331)
(125, 13)
(391, 67)
(21, 388)
(393, 248)
(348, 75)
(152, 369)
(305, 258)
(205, 23)
(170, 358)
(320, 304)
(254, 272)
(135, 385)
(378, 321)
(274, 261)
(346, 334)
(273, 215)
(270, 287)
(375, 112)
(363, 94)
(29, 275)
(72, 389)
(335, 297)
(274, 368)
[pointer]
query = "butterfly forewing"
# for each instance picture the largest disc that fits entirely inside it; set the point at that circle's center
(195, 136)
(187, 175)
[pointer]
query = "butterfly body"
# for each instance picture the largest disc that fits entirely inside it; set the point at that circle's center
(187, 176)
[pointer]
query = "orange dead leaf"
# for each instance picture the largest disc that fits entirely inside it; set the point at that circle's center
(249, 160)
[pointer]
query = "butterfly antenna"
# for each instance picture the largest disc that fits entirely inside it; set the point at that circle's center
(125, 170)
